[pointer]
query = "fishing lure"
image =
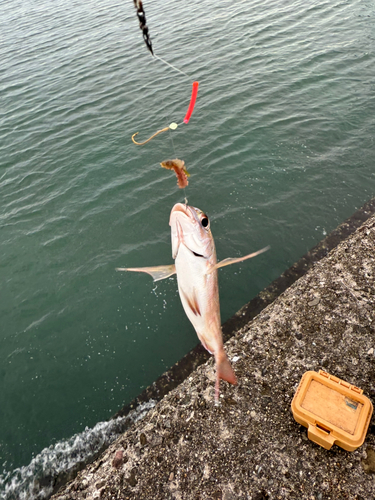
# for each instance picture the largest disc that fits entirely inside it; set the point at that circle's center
(173, 125)
(179, 167)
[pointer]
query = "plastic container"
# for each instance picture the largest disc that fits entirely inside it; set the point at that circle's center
(334, 411)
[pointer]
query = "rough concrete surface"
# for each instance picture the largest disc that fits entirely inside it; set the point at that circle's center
(250, 447)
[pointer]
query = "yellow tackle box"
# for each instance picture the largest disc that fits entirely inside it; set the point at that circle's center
(334, 411)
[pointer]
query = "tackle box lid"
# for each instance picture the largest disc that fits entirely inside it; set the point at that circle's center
(334, 411)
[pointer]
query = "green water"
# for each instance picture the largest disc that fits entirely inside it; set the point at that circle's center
(280, 149)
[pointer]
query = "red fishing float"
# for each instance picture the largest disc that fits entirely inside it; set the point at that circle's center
(194, 94)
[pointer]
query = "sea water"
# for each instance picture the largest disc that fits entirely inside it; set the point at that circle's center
(280, 148)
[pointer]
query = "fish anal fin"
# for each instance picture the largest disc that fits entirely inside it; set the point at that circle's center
(229, 261)
(157, 272)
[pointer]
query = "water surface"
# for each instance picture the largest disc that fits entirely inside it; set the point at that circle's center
(280, 148)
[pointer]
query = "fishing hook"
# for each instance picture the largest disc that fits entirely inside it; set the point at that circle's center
(172, 126)
(148, 140)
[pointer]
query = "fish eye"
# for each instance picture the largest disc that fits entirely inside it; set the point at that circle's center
(204, 221)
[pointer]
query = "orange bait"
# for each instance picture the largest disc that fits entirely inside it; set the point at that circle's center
(179, 167)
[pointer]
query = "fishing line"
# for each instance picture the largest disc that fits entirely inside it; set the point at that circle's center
(171, 138)
(173, 67)
(177, 165)
(146, 38)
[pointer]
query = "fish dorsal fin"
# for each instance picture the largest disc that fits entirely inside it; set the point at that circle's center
(229, 261)
(157, 272)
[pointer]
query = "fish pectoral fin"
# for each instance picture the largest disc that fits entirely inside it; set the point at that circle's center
(157, 272)
(229, 261)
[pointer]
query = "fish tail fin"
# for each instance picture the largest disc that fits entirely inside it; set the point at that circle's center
(224, 369)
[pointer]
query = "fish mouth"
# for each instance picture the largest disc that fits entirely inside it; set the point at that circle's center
(189, 212)
(185, 209)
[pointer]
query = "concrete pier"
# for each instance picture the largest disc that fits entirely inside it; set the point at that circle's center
(250, 447)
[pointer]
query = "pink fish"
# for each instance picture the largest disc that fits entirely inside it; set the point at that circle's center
(193, 250)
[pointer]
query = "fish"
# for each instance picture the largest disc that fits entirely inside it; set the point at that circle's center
(196, 267)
